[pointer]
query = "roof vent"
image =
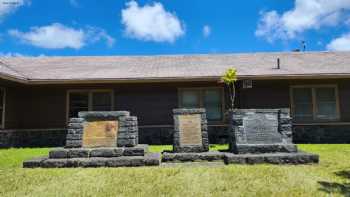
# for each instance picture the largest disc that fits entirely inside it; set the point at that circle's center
(302, 47)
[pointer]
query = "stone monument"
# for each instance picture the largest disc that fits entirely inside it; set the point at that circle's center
(261, 131)
(190, 137)
(190, 130)
(264, 135)
(100, 139)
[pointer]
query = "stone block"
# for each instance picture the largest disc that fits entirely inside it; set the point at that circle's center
(78, 153)
(92, 162)
(118, 162)
(127, 142)
(192, 157)
(76, 120)
(152, 159)
(272, 158)
(103, 115)
(106, 152)
(58, 153)
(134, 151)
(55, 163)
(74, 136)
(75, 125)
(126, 162)
(34, 163)
(73, 143)
(263, 148)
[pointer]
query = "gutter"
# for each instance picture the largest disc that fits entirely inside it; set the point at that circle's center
(168, 79)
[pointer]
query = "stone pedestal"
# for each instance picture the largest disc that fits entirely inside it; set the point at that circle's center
(102, 129)
(261, 131)
(190, 130)
(190, 140)
(99, 139)
(264, 136)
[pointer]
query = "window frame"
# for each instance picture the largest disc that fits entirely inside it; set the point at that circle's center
(201, 99)
(314, 102)
(90, 97)
(2, 123)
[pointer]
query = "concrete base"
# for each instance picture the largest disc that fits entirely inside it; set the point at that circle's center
(271, 158)
(192, 157)
(149, 159)
(263, 148)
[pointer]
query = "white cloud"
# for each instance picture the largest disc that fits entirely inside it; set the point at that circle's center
(151, 23)
(306, 15)
(9, 6)
(55, 36)
(58, 36)
(96, 34)
(340, 44)
(206, 31)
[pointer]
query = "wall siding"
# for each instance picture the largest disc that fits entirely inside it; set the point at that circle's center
(43, 107)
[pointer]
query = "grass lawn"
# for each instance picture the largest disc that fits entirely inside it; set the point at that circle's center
(330, 178)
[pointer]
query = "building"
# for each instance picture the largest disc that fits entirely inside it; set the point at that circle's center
(39, 94)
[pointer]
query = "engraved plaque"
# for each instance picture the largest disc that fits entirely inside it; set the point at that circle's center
(261, 129)
(100, 134)
(190, 129)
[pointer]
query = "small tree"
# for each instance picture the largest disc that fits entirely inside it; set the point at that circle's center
(229, 78)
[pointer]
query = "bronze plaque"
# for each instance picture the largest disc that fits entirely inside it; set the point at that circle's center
(190, 129)
(100, 134)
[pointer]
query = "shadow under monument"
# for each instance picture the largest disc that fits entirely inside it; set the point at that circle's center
(342, 188)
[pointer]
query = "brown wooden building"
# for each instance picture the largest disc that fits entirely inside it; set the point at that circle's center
(39, 94)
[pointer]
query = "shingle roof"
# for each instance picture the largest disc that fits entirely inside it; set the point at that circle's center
(176, 67)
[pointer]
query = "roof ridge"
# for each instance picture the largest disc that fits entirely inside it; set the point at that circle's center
(14, 70)
(188, 54)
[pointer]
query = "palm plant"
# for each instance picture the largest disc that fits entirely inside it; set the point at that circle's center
(229, 78)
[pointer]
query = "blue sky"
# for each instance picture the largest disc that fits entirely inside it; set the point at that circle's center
(118, 27)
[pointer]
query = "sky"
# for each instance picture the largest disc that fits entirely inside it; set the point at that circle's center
(159, 27)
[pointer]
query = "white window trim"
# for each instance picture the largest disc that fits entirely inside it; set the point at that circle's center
(90, 92)
(314, 100)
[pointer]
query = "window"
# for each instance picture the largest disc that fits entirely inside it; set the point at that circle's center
(209, 98)
(2, 107)
(315, 103)
(89, 100)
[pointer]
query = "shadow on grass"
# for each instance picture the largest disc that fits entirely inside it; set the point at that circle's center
(340, 188)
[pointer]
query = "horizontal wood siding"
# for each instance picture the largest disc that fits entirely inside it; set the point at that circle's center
(275, 94)
(344, 100)
(265, 94)
(12, 108)
(152, 105)
(44, 106)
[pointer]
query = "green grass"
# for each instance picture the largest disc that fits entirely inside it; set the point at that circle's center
(330, 178)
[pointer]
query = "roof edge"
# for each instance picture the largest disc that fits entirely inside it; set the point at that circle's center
(5, 64)
(183, 79)
(14, 78)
